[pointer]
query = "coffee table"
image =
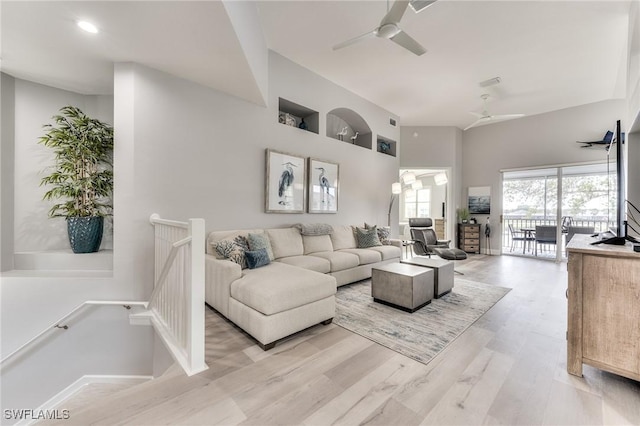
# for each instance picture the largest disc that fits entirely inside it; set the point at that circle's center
(402, 286)
(443, 273)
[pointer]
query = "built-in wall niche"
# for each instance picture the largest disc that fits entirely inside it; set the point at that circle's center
(386, 146)
(348, 126)
(295, 115)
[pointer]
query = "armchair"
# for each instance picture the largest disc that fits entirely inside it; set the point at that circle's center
(425, 237)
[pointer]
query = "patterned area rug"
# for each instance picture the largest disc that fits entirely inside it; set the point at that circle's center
(424, 333)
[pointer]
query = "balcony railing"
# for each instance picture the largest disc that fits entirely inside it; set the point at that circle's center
(519, 223)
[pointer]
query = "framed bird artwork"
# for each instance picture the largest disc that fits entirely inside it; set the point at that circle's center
(323, 185)
(285, 182)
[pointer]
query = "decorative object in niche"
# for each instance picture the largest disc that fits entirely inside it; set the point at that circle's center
(302, 124)
(285, 182)
(384, 147)
(342, 133)
(323, 186)
(346, 125)
(286, 118)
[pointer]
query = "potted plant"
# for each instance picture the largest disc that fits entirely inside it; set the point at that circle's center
(463, 215)
(82, 176)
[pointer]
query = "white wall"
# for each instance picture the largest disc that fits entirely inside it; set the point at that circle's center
(7, 155)
(183, 151)
(540, 140)
(35, 104)
(99, 341)
(436, 147)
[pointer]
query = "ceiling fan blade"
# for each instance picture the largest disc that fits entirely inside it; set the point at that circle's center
(395, 13)
(479, 115)
(506, 116)
(478, 122)
(353, 40)
(404, 40)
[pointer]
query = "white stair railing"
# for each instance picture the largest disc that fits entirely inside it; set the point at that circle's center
(176, 305)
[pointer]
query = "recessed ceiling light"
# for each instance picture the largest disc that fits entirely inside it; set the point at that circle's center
(88, 27)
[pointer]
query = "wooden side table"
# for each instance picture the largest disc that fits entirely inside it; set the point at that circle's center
(469, 237)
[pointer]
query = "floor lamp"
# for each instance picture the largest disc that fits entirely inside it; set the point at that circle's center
(396, 188)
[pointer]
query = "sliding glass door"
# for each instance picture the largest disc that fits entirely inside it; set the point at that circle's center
(535, 224)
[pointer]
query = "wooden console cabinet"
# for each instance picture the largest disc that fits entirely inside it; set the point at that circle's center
(438, 226)
(469, 237)
(604, 308)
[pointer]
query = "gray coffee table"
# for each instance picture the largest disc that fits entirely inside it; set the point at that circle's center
(402, 286)
(443, 278)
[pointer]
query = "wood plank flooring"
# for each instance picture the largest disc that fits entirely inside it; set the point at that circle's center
(507, 368)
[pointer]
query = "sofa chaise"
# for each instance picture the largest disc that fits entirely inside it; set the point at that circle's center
(296, 288)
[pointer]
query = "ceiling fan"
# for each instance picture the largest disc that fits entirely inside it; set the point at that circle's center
(389, 28)
(485, 117)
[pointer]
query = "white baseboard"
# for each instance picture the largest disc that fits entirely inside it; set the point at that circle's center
(76, 386)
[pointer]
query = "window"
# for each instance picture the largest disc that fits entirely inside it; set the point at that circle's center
(417, 203)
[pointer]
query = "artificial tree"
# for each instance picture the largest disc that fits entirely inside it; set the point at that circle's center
(82, 177)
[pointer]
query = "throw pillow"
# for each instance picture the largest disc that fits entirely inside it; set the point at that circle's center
(383, 233)
(260, 241)
(257, 258)
(367, 237)
(233, 250)
(314, 228)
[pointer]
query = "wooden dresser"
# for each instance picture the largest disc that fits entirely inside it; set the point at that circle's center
(604, 308)
(469, 237)
(438, 226)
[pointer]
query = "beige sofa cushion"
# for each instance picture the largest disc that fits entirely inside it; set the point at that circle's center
(312, 263)
(316, 243)
(388, 252)
(343, 238)
(339, 260)
(278, 287)
(285, 242)
(365, 256)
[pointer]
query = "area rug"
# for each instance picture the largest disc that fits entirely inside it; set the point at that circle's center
(424, 333)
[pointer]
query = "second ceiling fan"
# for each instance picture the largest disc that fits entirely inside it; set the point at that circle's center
(484, 117)
(389, 28)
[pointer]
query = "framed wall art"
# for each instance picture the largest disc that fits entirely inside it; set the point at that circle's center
(285, 182)
(480, 200)
(323, 186)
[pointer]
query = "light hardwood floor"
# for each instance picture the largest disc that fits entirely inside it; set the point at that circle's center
(507, 368)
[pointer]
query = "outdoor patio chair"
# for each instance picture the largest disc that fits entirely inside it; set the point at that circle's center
(519, 236)
(572, 230)
(545, 234)
(567, 221)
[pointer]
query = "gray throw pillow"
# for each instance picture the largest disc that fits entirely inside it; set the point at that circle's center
(257, 258)
(367, 237)
(260, 241)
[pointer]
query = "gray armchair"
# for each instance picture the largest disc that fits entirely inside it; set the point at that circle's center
(424, 236)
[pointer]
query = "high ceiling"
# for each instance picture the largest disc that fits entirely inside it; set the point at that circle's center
(549, 55)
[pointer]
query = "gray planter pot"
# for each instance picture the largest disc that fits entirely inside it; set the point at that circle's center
(85, 233)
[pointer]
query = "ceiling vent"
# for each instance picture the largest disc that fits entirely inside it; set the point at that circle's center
(491, 82)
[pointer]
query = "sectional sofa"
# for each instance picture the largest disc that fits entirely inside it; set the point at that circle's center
(297, 288)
